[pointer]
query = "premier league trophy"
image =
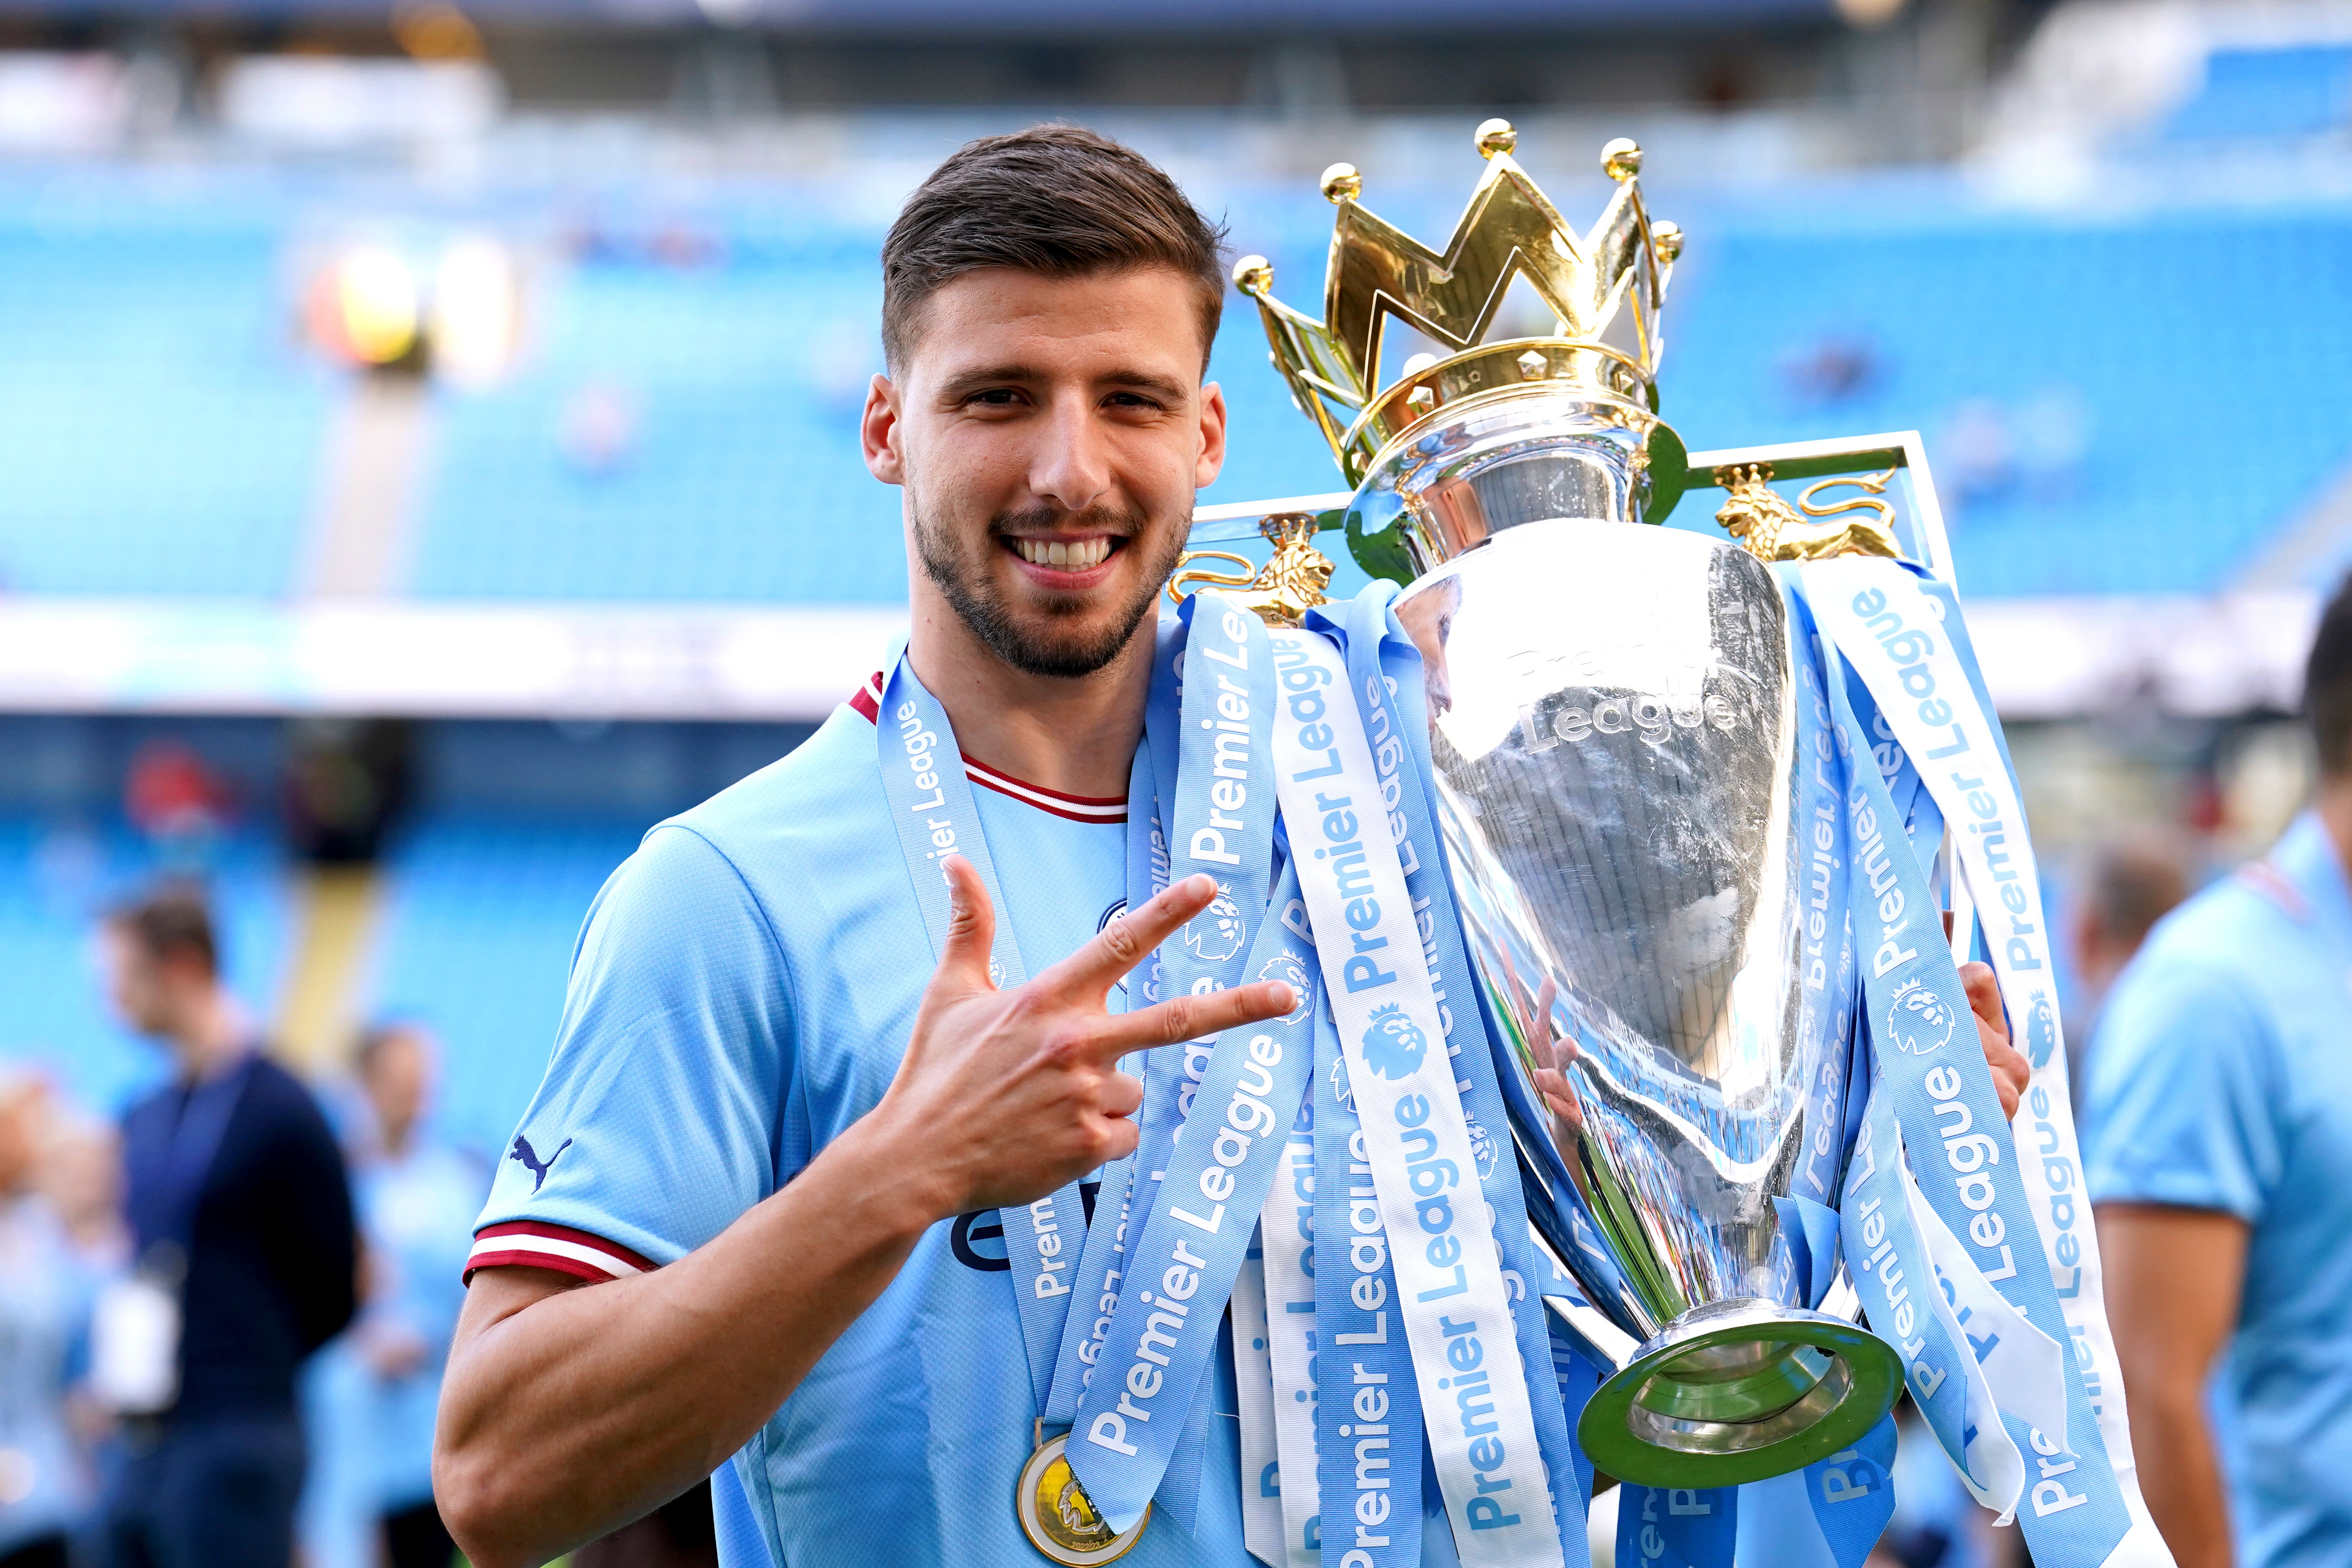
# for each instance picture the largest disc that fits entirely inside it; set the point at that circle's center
(1622, 718)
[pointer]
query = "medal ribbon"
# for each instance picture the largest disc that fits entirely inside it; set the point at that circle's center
(1101, 1266)
(1192, 1247)
(1368, 1438)
(1385, 672)
(1260, 1478)
(1451, 1292)
(1903, 634)
(1287, 1228)
(932, 807)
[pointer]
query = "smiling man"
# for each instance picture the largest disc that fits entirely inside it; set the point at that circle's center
(751, 1210)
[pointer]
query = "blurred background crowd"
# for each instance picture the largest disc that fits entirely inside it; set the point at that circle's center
(428, 456)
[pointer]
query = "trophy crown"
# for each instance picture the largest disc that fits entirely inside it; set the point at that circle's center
(1594, 284)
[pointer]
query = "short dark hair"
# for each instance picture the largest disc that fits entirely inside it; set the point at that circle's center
(377, 1038)
(168, 921)
(2134, 881)
(2327, 684)
(1055, 199)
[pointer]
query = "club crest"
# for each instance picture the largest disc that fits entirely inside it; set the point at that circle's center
(2041, 1030)
(1285, 968)
(1918, 1021)
(1392, 1043)
(1214, 934)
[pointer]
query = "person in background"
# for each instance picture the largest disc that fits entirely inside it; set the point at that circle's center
(246, 1262)
(2128, 884)
(417, 1199)
(80, 1175)
(2219, 1159)
(45, 1295)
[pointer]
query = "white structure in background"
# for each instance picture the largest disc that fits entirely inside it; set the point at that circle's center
(2043, 658)
(2097, 71)
(64, 103)
(327, 101)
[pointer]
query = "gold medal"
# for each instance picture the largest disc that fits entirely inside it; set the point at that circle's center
(1058, 1516)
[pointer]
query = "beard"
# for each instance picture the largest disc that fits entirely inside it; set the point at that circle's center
(1065, 636)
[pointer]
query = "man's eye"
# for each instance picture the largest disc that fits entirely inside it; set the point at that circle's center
(1131, 400)
(995, 397)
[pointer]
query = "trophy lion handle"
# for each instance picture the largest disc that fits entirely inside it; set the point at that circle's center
(1289, 585)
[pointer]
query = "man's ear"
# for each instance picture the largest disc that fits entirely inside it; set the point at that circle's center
(878, 431)
(1211, 459)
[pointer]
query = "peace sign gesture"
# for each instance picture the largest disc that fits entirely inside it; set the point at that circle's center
(1004, 1096)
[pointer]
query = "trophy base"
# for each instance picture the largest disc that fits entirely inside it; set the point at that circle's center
(1739, 1391)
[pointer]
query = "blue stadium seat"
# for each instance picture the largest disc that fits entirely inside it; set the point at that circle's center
(2262, 93)
(2132, 403)
(163, 430)
(477, 941)
(2198, 360)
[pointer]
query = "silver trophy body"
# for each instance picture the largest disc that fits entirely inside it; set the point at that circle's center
(1621, 724)
(1617, 728)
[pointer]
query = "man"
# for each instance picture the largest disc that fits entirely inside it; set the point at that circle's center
(240, 1215)
(2128, 884)
(2219, 1157)
(761, 1124)
(416, 1197)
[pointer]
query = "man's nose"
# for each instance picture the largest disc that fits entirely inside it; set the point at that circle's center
(1071, 469)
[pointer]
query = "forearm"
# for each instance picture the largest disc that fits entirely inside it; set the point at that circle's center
(2179, 1472)
(586, 1409)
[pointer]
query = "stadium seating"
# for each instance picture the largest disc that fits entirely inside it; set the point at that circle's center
(2111, 405)
(163, 431)
(477, 942)
(2105, 381)
(2285, 92)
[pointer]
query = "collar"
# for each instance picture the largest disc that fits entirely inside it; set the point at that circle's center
(2304, 875)
(867, 703)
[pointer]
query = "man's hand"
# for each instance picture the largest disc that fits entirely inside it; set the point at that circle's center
(2010, 1071)
(1004, 1096)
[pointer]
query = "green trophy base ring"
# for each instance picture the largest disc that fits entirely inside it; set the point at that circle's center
(1739, 1391)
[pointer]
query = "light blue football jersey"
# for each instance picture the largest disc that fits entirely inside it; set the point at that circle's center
(742, 992)
(2221, 1078)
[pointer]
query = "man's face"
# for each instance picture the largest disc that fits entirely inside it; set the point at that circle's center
(1050, 432)
(135, 983)
(398, 1075)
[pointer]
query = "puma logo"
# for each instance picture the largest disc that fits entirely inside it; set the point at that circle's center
(523, 1154)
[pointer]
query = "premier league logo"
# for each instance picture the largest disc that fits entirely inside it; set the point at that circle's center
(2041, 1030)
(1482, 1146)
(1341, 1089)
(1283, 967)
(1393, 1042)
(1214, 934)
(1918, 1021)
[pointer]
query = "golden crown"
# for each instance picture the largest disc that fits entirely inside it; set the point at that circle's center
(1509, 229)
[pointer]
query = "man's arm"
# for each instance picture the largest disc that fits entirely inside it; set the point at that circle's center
(316, 1246)
(568, 1411)
(2173, 1277)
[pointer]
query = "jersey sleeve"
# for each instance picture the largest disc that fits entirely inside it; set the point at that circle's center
(2185, 1105)
(655, 1125)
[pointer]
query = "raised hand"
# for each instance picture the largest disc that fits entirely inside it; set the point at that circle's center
(1004, 1096)
(2010, 1071)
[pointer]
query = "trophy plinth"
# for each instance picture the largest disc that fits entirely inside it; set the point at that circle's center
(1739, 1391)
